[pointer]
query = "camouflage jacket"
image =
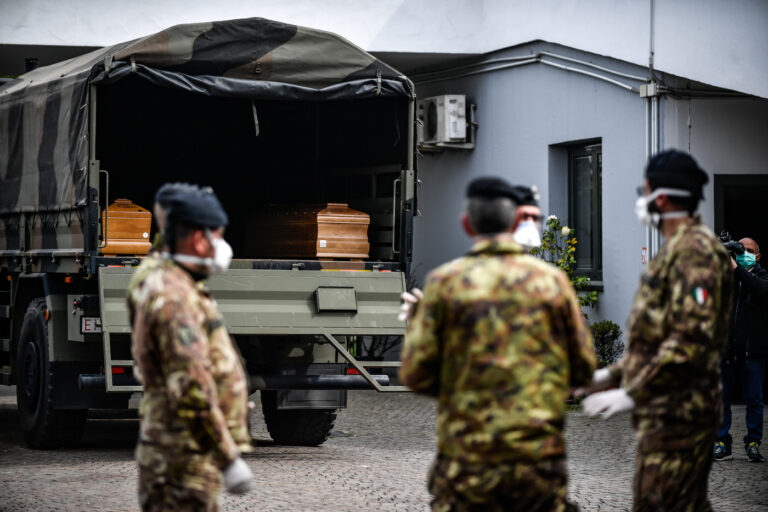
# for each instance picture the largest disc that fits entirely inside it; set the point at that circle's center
(499, 339)
(195, 390)
(677, 335)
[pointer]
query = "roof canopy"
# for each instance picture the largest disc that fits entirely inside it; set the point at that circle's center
(44, 114)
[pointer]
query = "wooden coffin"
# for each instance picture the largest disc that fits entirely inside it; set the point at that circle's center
(127, 228)
(329, 230)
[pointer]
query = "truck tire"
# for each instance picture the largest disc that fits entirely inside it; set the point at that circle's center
(296, 427)
(43, 427)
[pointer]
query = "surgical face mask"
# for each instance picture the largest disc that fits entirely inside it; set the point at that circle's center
(746, 260)
(222, 256)
(644, 204)
(527, 234)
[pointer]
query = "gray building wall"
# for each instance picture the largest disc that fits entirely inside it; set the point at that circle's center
(726, 136)
(526, 112)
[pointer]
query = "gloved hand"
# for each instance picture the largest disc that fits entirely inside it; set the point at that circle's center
(409, 304)
(238, 478)
(601, 379)
(608, 403)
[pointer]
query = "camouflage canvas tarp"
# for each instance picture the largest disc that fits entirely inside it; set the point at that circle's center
(44, 113)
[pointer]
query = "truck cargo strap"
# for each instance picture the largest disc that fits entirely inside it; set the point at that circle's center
(262, 382)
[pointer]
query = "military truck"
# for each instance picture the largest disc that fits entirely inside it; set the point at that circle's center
(264, 112)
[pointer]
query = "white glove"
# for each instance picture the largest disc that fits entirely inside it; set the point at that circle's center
(601, 378)
(409, 304)
(238, 478)
(608, 403)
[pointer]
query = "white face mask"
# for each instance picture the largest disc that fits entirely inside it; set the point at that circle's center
(222, 256)
(527, 234)
(653, 219)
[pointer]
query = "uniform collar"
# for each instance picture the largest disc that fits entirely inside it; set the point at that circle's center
(201, 284)
(685, 226)
(497, 244)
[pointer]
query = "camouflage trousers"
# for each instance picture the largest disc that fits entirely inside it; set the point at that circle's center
(674, 480)
(531, 487)
(189, 483)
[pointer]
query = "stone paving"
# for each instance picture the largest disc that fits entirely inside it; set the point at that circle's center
(376, 459)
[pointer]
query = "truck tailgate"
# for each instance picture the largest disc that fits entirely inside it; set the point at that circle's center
(284, 301)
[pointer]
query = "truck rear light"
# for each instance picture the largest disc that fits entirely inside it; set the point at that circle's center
(352, 371)
(118, 370)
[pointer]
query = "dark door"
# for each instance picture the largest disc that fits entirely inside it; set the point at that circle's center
(740, 207)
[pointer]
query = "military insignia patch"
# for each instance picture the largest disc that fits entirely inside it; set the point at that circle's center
(700, 295)
(187, 335)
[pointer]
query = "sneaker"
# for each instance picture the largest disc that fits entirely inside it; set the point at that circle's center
(722, 451)
(753, 452)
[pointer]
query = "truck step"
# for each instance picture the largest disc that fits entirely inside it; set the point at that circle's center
(5, 311)
(5, 345)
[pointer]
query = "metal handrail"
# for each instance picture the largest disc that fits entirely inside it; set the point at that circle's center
(106, 211)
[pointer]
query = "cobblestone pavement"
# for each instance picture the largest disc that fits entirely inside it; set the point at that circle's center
(376, 459)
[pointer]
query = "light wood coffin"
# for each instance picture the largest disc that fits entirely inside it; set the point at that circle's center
(329, 230)
(128, 228)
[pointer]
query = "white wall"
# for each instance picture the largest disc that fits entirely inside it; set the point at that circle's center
(719, 42)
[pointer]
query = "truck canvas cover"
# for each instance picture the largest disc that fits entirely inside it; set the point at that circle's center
(44, 114)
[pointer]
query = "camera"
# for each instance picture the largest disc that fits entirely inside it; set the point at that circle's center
(734, 248)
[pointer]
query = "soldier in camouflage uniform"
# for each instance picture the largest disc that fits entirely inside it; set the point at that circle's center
(499, 339)
(670, 375)
(150, 262)
(194, 406)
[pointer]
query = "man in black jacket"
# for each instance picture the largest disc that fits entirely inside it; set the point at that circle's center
(748, 345)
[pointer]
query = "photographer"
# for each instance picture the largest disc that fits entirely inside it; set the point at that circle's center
(747, 348)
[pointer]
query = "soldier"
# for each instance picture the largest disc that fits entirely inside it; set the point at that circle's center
(153, 259)
(528, 231)
(194, 406)
(670, 374)
(499, 339)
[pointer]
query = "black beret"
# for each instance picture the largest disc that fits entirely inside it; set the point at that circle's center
(492, 187)
(165, 193)
(529, 196)
(675, 169)
(195, 206)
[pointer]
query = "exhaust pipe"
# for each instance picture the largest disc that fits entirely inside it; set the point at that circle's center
(257, 382)
(98, 381)
(261, 382)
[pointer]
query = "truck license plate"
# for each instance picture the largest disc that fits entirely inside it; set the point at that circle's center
(90, 324)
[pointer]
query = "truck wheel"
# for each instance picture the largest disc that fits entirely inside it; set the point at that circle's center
(43, 427)
(296, 427)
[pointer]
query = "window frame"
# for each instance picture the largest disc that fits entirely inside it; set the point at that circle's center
(594, 149)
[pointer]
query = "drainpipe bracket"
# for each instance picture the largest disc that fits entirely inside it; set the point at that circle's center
(650, 90)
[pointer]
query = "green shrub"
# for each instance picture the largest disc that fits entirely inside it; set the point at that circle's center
(558, 247)
(608, 345)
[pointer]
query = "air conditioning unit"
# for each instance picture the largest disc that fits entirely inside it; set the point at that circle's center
(443, 119)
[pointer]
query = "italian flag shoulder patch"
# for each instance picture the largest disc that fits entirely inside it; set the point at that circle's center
(700, 295)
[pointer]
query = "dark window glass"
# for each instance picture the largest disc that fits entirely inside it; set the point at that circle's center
(584, 207)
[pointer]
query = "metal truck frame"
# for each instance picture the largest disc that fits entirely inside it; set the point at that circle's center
(64, 326)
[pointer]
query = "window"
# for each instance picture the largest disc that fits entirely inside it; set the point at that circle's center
(585, 168)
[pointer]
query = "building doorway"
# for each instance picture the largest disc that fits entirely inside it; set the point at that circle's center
(740, 208)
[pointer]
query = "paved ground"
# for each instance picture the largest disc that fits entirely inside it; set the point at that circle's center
(376, 459)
